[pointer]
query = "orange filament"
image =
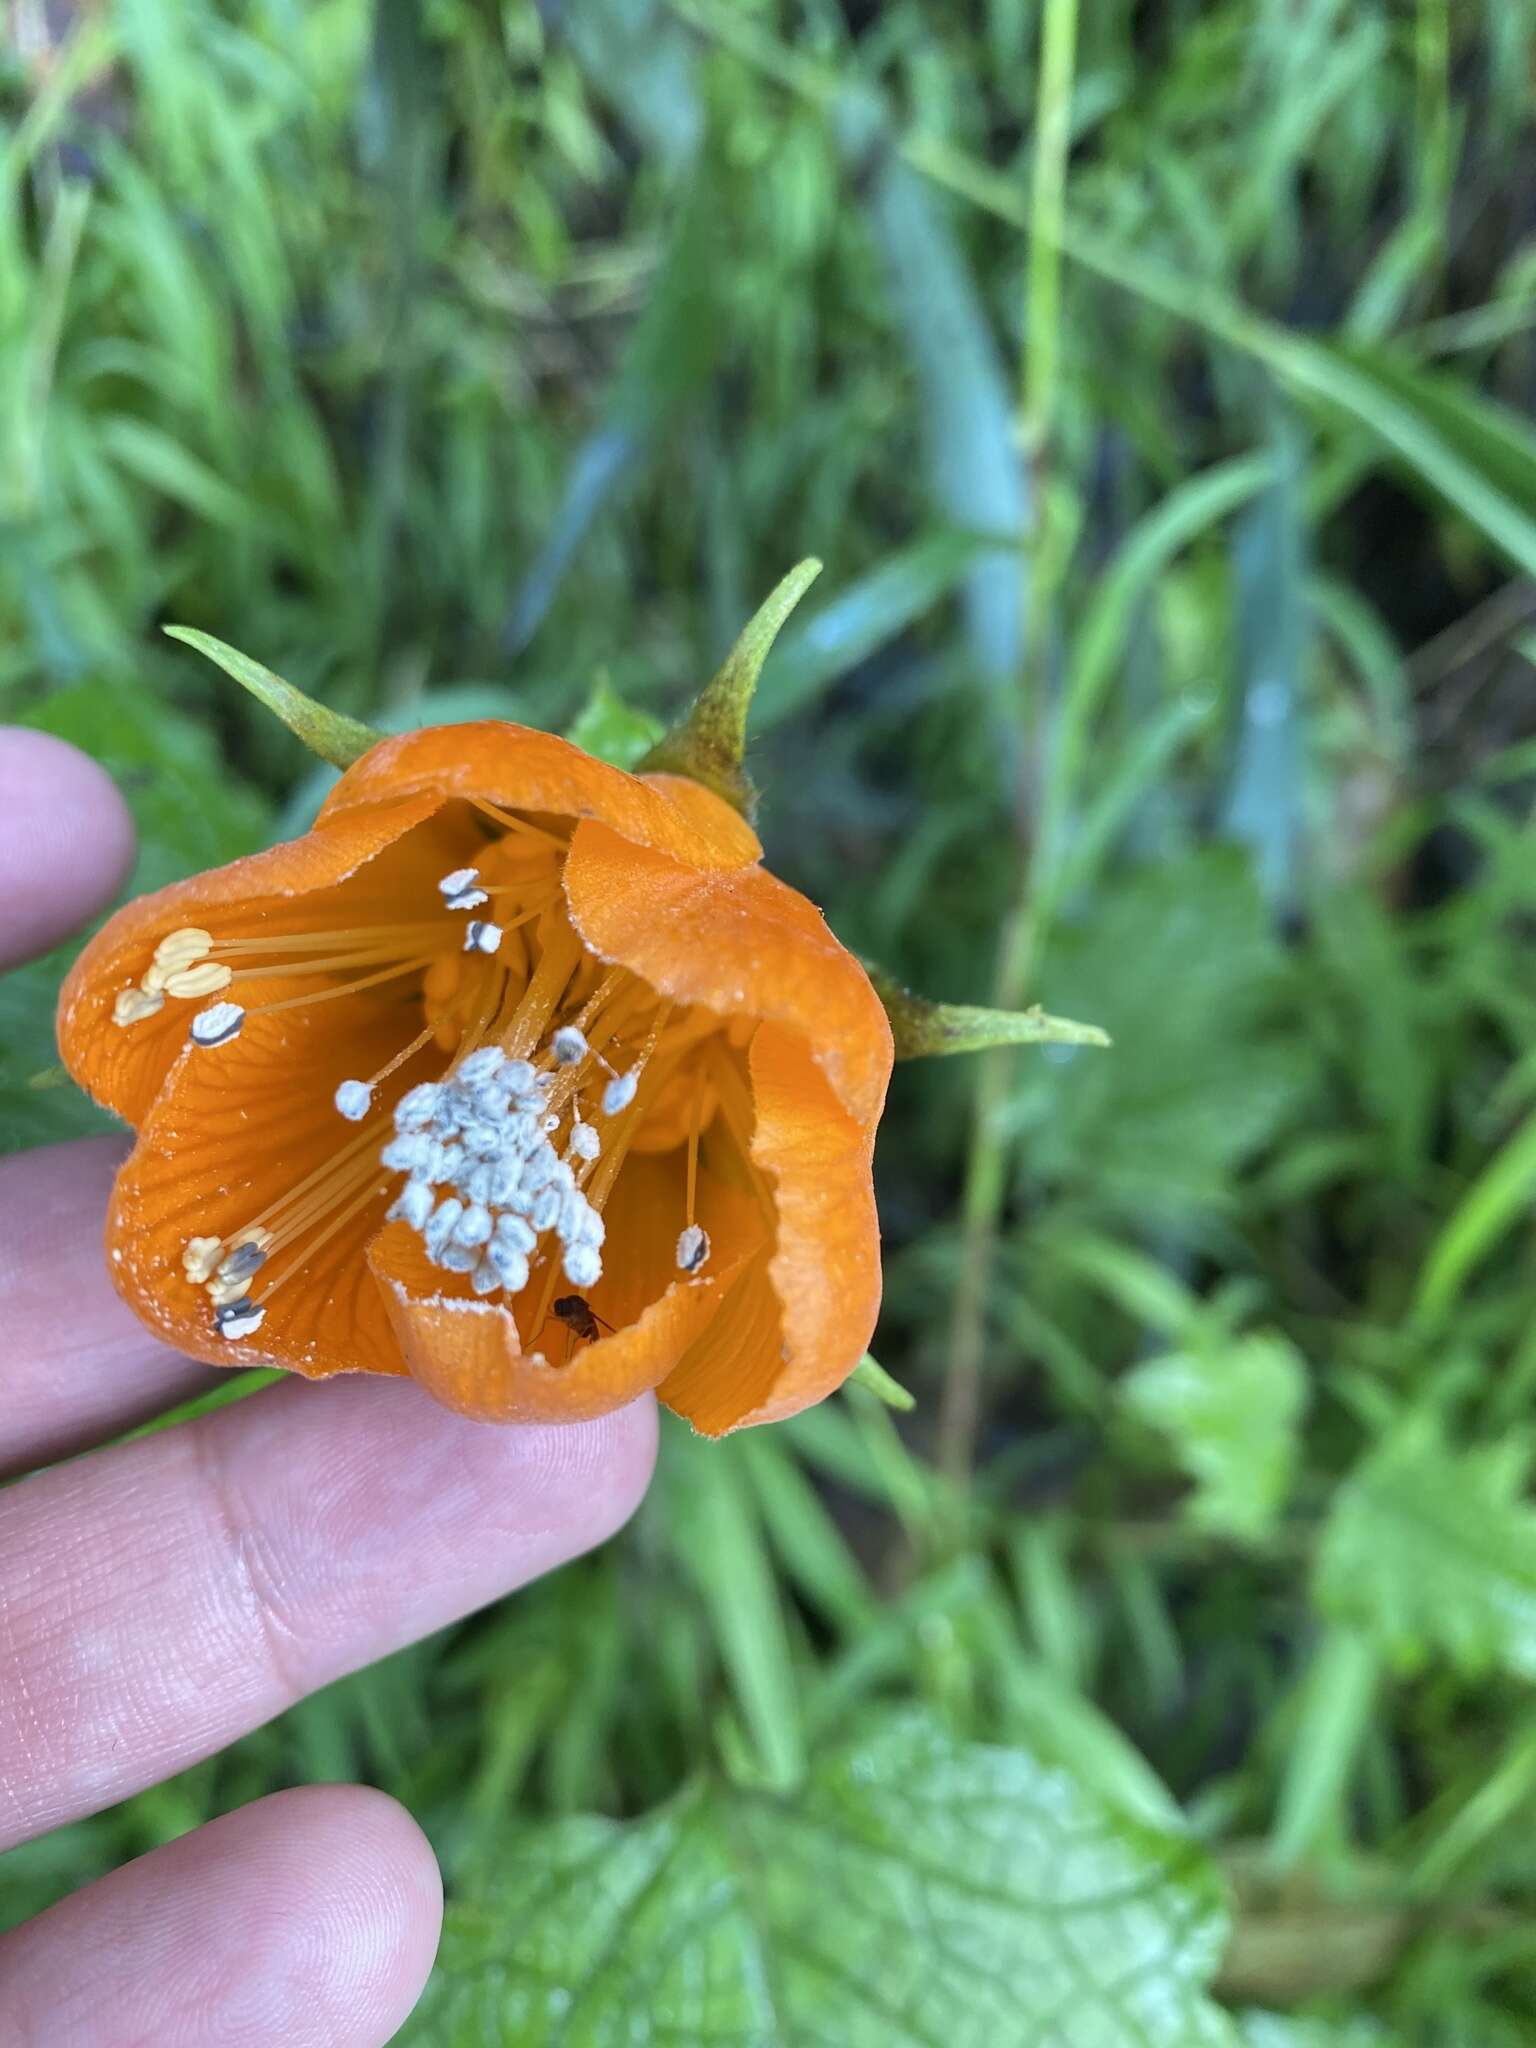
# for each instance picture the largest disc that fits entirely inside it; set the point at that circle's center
(342, 1217)
(513, 823)
(347, 988)
(693, 1146)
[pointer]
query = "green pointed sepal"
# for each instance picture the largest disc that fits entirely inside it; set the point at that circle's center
(922, 1029)
(874, 1379)
(710, 743)
(330, 734)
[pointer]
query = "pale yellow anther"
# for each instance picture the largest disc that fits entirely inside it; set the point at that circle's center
(206, 979)
(253, 1233)
(224, 1291)
(200, 1257)
(181, 948)
(133, 1005)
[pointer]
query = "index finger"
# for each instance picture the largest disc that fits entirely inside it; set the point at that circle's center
(66, 841)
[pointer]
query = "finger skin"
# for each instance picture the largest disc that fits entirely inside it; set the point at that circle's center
(66, 841)
(310, 1918)
(75, 1363)
(160, 1598)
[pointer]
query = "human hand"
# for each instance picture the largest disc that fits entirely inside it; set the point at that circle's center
(160, 1598)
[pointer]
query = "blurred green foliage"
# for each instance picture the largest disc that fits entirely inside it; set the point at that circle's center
(469, 357)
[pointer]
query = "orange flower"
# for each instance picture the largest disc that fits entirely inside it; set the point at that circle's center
(518, 1074)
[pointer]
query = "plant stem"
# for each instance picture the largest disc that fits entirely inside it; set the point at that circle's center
(987, 1162)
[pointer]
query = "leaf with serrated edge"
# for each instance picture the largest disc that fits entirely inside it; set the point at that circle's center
(916, 1893)
(1433, 1551)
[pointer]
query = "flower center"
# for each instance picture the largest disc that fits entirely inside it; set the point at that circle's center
(504, 1164)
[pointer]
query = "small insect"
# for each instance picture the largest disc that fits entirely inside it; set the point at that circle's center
(579, 1317)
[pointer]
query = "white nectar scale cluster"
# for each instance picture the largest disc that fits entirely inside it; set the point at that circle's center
(484, 1183)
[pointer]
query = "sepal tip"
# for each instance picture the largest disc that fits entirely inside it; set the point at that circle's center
(330, 734)
(924, 1030)
(709, 743)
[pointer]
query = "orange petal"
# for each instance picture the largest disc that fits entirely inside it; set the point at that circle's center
(519, 768)
(275, 891)
(741, 942)
(794, 1331)
(234, 1128)
(644, 1216)
(467, 1353)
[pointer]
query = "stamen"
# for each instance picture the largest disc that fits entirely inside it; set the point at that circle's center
(569, 1046)
(238, 1319)
(620, 1092)
(481, 937)
(243, 1261)
(583, 1265)
(371, 938)
(694, 1122)
(422, 1038)
(221, 1291)
(562, 955)
(326, 995)
(354, 1099)
(483, 1135)
(216, 1025)
(413, 1205)
(459, 890)
(278, 1215)
(205, 979)
(692, 1249)
(516, 824)
(252, 1233)
(181, 948)
(133, 1005)
(339, 1221)
(200, 1258)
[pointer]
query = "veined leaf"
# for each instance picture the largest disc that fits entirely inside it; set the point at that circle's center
(915, 1893)
(1179, 966)
(1433, 1549)
(1231, 1412)
(1271, 2030)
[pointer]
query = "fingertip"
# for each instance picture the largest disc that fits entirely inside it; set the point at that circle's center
(375, 1950)
(602, 1467)
(311, 1917)
(66, 841)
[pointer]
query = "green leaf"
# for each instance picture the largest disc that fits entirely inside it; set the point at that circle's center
(1231, 1413)
(963, 401)
(1330, 1726)
(719, 1539)
(612, 730)
(1433, 1550)
(1275, 632)
(915, 1893)
(667, 358)
(330, 734)
(711, 741)
(1496, 1201)
(1179, 965)
(1272, 2030)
